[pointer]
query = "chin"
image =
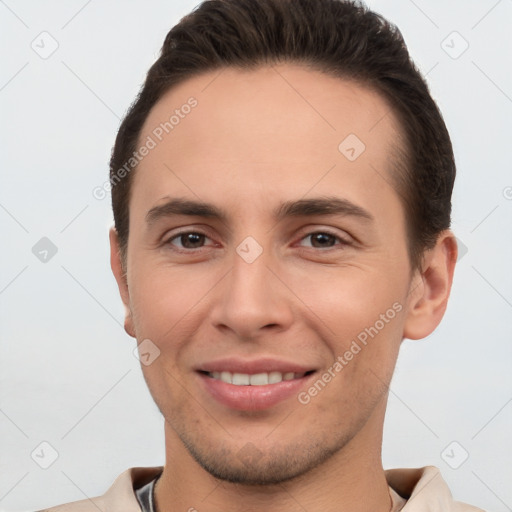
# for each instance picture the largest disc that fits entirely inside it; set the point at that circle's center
(258, 466)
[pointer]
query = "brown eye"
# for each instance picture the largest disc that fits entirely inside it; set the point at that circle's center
(322, 239)
(189, 240)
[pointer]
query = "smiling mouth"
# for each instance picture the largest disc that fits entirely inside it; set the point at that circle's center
(256, 379)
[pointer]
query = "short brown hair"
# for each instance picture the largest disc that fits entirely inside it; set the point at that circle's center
(338, 37)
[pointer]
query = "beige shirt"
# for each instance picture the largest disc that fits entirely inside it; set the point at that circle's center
(412, 490)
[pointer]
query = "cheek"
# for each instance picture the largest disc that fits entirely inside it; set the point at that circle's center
(164, 298)
(165, 311)
(359, 315)
(348, 299)
(359, 377)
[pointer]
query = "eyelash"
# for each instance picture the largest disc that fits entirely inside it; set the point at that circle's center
(342, 241)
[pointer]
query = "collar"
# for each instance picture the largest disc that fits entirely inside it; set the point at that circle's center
(423, 488)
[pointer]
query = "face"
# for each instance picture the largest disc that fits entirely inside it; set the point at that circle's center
(267, 262)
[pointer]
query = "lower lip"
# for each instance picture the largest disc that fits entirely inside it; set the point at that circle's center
(253, 398)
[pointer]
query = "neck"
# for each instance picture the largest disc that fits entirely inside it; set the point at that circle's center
(351, 480)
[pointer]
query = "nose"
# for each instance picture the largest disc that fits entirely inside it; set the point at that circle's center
(252, 300)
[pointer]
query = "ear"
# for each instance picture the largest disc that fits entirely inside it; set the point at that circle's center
(122, 283)
(430, 288)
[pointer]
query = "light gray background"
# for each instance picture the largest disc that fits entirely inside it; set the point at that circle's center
(68, 375)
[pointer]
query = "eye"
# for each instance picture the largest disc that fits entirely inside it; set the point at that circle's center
(323, 239)
(188, 240)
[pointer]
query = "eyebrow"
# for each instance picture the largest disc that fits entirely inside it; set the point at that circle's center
(300, 208)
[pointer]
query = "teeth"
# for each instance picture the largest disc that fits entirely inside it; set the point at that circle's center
(257, 379)
(225, 377)
(241, 379)
(275, 377)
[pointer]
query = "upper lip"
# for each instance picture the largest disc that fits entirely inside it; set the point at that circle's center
(253, 366)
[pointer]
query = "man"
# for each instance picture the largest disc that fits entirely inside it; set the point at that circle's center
(282, 193)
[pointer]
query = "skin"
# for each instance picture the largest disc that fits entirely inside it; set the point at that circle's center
(256, 139)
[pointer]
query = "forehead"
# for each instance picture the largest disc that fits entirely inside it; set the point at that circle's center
(275, 128)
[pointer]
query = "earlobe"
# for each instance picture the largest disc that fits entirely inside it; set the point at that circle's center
(121, 279)
(430, 289)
